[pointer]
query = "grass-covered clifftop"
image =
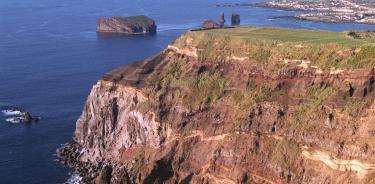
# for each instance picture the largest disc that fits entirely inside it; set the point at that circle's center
(273, 46)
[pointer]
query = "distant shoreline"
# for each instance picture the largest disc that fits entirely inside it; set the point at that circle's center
(322, 21)
(327, 16)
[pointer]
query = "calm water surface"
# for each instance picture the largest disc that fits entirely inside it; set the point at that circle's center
(50, 56)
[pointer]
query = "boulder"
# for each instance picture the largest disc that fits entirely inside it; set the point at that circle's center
(210, 24)
(128, 25)
(235, 19)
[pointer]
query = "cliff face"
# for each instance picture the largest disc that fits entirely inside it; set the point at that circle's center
(128, 25)
(219, 106)
(111, 121)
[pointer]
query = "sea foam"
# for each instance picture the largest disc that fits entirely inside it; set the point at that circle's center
(13, 120)
(11, 112)
(75, 178)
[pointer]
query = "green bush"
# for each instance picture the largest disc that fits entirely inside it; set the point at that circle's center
(315, 96)
(285, 154)
(206, 88)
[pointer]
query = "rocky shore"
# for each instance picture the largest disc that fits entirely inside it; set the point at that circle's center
(69, 154)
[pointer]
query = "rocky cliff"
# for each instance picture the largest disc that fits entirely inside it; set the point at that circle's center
(241, 105)
(127, 25)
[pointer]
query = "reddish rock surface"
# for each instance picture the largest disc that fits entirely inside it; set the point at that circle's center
(190, 116)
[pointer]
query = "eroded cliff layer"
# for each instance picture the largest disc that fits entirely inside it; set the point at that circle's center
(241, 105)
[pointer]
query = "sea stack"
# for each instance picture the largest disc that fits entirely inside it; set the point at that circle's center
(222, 20)
(127, 25)
(235, 19)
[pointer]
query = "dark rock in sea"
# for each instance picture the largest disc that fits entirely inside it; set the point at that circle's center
(27, 118)
(222, 20)
(128, 25)
(235, 19)
(16, 115)
(210, 24)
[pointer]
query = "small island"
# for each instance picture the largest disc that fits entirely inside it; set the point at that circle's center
(126, 25)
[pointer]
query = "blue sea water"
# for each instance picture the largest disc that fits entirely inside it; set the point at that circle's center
(50, 56)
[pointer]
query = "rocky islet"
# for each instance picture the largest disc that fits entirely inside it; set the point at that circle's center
(127, 25)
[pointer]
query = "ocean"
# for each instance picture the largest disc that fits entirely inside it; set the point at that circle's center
(50, 56)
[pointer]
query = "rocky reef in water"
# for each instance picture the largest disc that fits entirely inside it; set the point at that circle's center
(126, 25)
(240, 105)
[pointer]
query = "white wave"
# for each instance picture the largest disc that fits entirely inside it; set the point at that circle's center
(13, 120)
(167, 27)
(75, 178)
(11, 112)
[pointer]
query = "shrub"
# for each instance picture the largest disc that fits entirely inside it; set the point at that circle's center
(206, 88)
(284, 153)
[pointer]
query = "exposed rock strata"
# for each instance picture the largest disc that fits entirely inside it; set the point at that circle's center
(194, 114)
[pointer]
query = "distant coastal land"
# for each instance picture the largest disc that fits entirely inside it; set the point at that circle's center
(356, 11)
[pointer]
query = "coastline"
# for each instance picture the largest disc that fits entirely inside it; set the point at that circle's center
(321, 21)
(312, 14)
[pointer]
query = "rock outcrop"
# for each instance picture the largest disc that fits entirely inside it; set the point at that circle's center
(222, 20)
(235, 19)
(210, 24)
(220, 108)
(127, 25)
(16, 115)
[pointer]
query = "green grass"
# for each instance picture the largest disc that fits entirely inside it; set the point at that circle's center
(315, 96)
(285, 153)
(139, 160)
(172, 74)
(244, 99)
(140, 20)
(145, 106)
(354, 108)
(291, 35)
(203, 88)
(271, 46)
